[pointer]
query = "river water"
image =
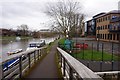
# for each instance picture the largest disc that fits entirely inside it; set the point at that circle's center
(7, 45)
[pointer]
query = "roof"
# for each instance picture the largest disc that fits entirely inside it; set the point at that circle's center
(111, 12)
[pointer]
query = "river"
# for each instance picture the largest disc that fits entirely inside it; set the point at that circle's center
(7, 45)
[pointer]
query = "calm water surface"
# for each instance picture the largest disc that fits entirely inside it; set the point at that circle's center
(7, 45)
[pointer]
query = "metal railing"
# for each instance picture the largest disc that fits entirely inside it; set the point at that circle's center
(73, 69)
(25, 61)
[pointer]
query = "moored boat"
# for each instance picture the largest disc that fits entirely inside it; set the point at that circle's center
(33, 45)
(14, 52)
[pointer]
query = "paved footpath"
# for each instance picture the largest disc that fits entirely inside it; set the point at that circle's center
(47, 67)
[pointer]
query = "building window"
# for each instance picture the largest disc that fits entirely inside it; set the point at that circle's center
(103, 18)
(110, 36)
(98, 35)
(101, 36)
(106, 18)
(113, 36)
(105, 36)
(117, 36)
(108, 26)
(103, 28)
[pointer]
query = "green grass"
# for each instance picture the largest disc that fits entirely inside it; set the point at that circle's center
(61, 41)
(97, 55)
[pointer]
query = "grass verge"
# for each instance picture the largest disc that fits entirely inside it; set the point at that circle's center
(95, 55)
(58, 67)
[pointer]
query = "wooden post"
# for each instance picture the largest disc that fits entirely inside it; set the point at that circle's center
(29, 60)
(20, 66)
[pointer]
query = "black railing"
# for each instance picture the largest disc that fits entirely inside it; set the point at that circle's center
(79, 51)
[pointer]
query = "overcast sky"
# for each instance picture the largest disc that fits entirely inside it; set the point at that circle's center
(30, 12)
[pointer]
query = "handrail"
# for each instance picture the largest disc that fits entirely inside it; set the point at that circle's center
(22, 65)
(20, 54)
(75, 67)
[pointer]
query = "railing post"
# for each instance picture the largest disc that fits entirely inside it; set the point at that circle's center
(29, 60)
(38, 54)
(64, 66)
(92, 53)
(112, 52)
(102, 51)
(101, 66)
(20, 66)
(61, 59)
(112, 65)
(71, 73)
(34, 56)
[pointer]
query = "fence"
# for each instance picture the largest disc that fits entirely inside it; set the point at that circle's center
(98, 57)
(25, 60)
(72, 69)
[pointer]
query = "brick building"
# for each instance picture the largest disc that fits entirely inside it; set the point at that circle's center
(108, 26)
(91, 25)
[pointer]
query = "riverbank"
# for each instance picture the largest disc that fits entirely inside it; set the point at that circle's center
(13, 37)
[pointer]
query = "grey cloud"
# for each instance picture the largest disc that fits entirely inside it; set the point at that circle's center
(20, 9)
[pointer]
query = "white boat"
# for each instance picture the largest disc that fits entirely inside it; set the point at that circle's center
(14, 52)
(33, 45)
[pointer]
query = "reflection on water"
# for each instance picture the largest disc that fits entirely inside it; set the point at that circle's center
(22, 44)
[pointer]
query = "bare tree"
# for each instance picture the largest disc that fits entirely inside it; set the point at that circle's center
(67, 15)
(23, 29)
